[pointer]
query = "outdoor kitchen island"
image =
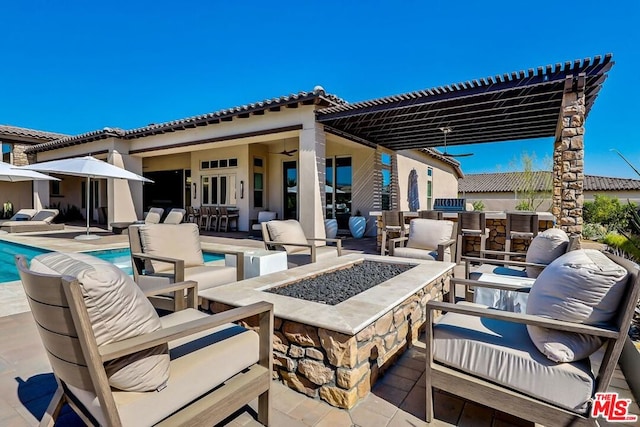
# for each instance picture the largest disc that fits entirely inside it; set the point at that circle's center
(336, 352)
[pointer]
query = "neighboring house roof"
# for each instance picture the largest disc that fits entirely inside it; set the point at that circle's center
(511, 181)
(436, 154)
(29, 133)
(317, 96)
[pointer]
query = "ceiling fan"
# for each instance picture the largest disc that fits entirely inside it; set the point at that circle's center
(286, 152)
(446, 131)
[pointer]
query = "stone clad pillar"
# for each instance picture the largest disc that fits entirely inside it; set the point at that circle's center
(568, 158)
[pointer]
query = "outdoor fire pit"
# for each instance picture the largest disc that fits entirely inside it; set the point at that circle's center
(335, 350)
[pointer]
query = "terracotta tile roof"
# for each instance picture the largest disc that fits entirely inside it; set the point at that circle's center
(510, 181)
(29, 133)
(317, 96)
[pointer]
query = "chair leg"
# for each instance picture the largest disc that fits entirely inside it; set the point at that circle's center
(429, 403)
(53, 410)
(459, 248)
(264, 409)
(483, 244)
(383, 243)
(507, 248)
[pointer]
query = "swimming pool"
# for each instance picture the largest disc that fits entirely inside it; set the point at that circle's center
(120, 257)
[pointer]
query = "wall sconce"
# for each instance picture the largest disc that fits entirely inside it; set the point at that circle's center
(194, 190)
(242, 189)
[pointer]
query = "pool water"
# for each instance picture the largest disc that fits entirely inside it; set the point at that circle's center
(120, 257)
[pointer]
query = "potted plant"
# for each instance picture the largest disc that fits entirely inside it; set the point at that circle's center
(357, 225)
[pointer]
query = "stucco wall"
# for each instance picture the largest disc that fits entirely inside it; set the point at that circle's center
(445, 182)
(18, 193)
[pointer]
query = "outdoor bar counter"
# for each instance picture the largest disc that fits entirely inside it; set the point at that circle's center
(496, 223)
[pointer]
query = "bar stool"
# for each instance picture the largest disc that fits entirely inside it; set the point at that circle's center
(228, 217)
(392, 222)
(193, 215)
(439, 215)
(471, 224)
(214, 218)
(204, 217)
(520, 225)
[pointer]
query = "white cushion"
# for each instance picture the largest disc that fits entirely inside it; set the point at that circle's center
(289, 231)
(546, 247)
(179, 241)
(23, 215)
(501, 352)
(582, 286)
(417, 253)
(117, 310)
(429, 233)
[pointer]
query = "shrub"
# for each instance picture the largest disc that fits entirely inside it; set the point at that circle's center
(524, 205)
(628, 247)
(595, 232)
(608, 211)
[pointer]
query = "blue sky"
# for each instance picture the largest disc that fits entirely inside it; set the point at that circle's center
(75, 66)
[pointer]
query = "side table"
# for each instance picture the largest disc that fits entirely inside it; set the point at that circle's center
(260, 262)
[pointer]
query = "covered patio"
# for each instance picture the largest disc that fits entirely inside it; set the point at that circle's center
(552, 101)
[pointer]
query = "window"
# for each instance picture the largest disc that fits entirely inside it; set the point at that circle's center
(204, 165)
(385, 170)
(258, 162)
(6, 152)
(223, 163)
(54, 188)
(218, 190)
(93, 197)
(339, 180)
(233, 163)
(258, 190)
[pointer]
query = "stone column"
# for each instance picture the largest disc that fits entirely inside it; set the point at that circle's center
(311, 179)
(568, 158)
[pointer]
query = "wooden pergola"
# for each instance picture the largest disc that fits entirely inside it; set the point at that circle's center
(552, 101)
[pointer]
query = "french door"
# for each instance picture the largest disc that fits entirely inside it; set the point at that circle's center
(218, 190)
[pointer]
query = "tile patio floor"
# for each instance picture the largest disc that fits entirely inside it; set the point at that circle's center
(397, 399)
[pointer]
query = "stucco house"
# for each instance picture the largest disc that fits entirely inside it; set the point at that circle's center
(503, 191)
(270, 155)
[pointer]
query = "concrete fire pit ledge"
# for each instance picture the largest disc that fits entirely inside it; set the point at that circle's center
(336, 353)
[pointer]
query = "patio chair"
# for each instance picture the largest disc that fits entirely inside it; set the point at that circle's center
(536, 365)
(392, 223)
(42, 220)
(21, 215)
(300, 249)
(431, 214)
(208, 216)
(228, 217)
(430, 239)
(193, 214)
(154, 216)
(175, 216)
(116, 363)
(471, 224)
(171, 253)
(263, 216)
(520, 225)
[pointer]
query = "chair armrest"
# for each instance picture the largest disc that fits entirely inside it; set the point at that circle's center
(492, 285)
(338, 243)
(272, 243)
(503, 253)
(526, 319)
(502, 262)
(393, 243)
(178, 290)
(239, 262)
(178, 264)
(443, 246)
(161, 336)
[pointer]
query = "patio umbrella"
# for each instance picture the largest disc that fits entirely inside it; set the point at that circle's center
(414, 195)
(88, 167)
(10, 174)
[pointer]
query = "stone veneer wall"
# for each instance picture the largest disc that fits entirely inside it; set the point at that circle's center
(341, 369)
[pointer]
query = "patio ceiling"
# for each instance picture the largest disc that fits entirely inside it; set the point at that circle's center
(519, 105)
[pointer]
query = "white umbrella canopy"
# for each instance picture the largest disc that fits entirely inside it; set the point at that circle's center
(11, 174)
(88, 167)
